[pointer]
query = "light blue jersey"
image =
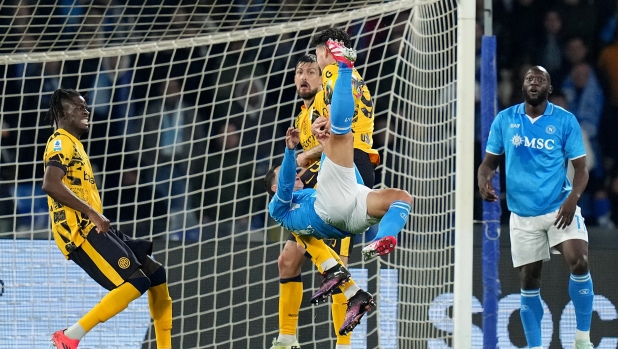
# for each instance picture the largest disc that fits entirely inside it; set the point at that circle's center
(537, 153)
(294, 210)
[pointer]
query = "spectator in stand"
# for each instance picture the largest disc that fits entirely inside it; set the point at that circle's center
(608, 69)
(579, 19)
(229, 179)
(171, 141)
(7, 178)
(548, 47)
(585, 99)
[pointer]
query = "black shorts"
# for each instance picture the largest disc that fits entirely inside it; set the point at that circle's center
(111, 258)
(365, 167)
(343, 247)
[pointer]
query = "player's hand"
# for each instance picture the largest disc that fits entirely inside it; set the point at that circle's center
(566, 212)
(100, 221)
(302, 160)
(292, 138)
(321, 129)
(487, 191)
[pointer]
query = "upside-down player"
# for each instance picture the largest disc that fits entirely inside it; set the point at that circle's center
(308, 81)
(83, 234)
(339, 206)
(365, 157)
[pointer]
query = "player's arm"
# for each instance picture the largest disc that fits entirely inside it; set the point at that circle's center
(485, 174)
(57, 190)
(580, 181)
(309, 156)
(280, 203)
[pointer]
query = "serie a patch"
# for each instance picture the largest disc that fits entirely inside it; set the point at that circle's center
(57, 145)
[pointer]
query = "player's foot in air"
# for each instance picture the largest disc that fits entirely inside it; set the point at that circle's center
(358, 305)
(279, 345)
(380, 247)
(333, 278)
(63, 342)
(583, 345)
(341, 53)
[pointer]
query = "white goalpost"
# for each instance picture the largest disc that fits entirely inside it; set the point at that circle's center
(189, 103)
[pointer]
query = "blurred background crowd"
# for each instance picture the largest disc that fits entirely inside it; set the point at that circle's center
(178, 131)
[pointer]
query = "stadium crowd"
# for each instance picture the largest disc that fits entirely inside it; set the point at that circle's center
(230, 99)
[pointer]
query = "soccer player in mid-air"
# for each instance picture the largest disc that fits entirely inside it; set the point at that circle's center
(83, 234)
(339, 206)
(308, 81)
(365, 157)
(538, 139)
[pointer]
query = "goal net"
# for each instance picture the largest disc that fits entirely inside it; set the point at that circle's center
(189, 103)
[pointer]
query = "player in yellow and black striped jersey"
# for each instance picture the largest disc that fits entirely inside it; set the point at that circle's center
(365, 157)
(117, 262)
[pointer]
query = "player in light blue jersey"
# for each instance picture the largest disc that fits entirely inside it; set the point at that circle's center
(339, 206)
(538, 139)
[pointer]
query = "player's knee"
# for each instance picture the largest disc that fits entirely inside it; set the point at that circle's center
(579, 265)
(158, 277)
(402, 195)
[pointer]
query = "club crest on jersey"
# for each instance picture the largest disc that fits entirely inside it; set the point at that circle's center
(57, 145)
(534, 143)
(551, 129)
(124, 262)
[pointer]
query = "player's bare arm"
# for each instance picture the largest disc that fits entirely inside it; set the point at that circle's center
(54, 187)
(486, 172)
(309, 156)
(568, 207)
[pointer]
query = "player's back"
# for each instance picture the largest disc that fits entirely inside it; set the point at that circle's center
(300, 217)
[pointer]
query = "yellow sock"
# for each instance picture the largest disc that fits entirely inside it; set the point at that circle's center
(338, 309)
(318, 250)
(160, 304)
(290, 298)
(113, 303)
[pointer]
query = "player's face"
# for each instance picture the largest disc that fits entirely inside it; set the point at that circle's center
(537, 86)
(298, 183)
(322, 54)
(76, 116)
(307, 80)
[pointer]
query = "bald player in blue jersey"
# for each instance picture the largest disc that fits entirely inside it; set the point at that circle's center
(339, 206)
(538, 139)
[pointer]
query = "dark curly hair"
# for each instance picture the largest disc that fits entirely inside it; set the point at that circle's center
(308, 58)
(331, 33)
(56, 110)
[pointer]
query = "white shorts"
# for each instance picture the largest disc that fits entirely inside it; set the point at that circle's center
(340, 200)
(533, 238)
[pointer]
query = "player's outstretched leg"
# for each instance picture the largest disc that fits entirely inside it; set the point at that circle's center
(390, 225)
(333, 278)
(358, 305)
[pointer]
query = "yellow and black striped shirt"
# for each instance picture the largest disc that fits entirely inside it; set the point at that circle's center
(70, 227)
(363, 120)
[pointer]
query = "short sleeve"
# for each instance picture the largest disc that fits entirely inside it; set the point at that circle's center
(59, 151)
(574, 144)
(495, 141)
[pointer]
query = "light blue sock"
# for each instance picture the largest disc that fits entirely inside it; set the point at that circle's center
(394, 220)
(342, 105)
(531, 313)
(582, 295)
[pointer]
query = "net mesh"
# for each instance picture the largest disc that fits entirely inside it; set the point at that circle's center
(190, 102)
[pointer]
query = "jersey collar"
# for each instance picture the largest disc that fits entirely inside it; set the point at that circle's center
(549, 109)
